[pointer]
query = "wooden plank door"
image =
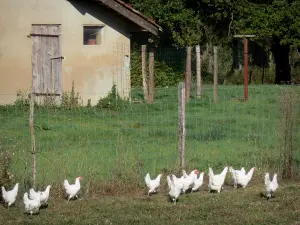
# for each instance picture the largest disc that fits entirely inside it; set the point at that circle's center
(46, 62)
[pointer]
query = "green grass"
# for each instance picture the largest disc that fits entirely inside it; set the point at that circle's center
(88, 141)
(91, 142)
(107, 147)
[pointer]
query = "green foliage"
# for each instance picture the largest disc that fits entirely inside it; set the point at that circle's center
(113, 101)
(165, 75)
(136, 68)
(22, 99)
(181, 24)
(185, 27)
(271, 19)
(71, 99)
(5, 166)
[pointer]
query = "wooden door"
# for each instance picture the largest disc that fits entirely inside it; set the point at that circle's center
(46, 62)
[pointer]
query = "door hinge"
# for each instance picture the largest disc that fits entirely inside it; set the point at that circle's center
(59, 57)
(42, 35)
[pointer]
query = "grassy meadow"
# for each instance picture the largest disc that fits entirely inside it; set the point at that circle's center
(113, 150)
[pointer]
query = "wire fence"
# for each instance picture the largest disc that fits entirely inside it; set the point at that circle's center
(121, 143)
(120, 139)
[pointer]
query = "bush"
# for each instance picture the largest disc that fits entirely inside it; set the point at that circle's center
(5, 163)
(165, 75)
(71, 99)
(22, 99)
(113, 101)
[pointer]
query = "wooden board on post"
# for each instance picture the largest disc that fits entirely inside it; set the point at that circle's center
(181, 124)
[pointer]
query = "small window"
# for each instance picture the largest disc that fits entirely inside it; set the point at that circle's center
(92, 35)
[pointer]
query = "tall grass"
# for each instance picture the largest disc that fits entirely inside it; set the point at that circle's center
(124, 145)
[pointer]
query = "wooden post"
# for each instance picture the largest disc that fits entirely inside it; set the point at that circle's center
(198, 72)
(215, 74)
(181, 123)
(144, 72)
(209, 50)
(33, 149)
(245, 36)
(151, 78)
(188, 73)
(245, 69)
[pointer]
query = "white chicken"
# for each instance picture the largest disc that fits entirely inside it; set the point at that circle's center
(175, 189)
(216, 181)
(184, 174)
(187, 181)
(72, 189)
(177, 182)
(44, 195)
(243, 179)
(10, 197)
(32, 206)
(271, 186)
(234, 174)
(152, 184)
(198, 182)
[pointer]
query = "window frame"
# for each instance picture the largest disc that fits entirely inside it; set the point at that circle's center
(99, 27)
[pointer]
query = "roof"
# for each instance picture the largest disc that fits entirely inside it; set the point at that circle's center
(132, 14)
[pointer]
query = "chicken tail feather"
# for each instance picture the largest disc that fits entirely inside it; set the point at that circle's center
(210, 172)
(267, 179)
(147, 178)
(66, 183)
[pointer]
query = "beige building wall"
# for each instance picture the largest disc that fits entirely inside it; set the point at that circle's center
(93, 68)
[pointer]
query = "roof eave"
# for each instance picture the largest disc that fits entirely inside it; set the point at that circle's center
(133, 15)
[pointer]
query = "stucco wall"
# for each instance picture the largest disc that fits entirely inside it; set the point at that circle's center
(93, 68)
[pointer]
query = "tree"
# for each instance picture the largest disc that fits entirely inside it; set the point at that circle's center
(274, 21)
(181, 24)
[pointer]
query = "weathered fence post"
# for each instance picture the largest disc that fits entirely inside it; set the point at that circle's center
(33, 149)
(181, 124)
(188, 72)
(215, 74)
(151, 76)
(245, 69)
(144, 71)
(198, 72)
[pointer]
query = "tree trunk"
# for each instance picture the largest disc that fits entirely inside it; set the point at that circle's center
(281, 58)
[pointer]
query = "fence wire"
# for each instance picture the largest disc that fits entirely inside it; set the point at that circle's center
(119, 139)
(108, 144)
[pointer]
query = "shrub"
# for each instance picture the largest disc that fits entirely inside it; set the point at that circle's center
(165, 74)
(113, 101)
(5, 163)
(22, 99)
(71, 99)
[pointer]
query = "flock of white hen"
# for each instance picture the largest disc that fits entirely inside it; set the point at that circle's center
(36, 199)
(193, 182)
